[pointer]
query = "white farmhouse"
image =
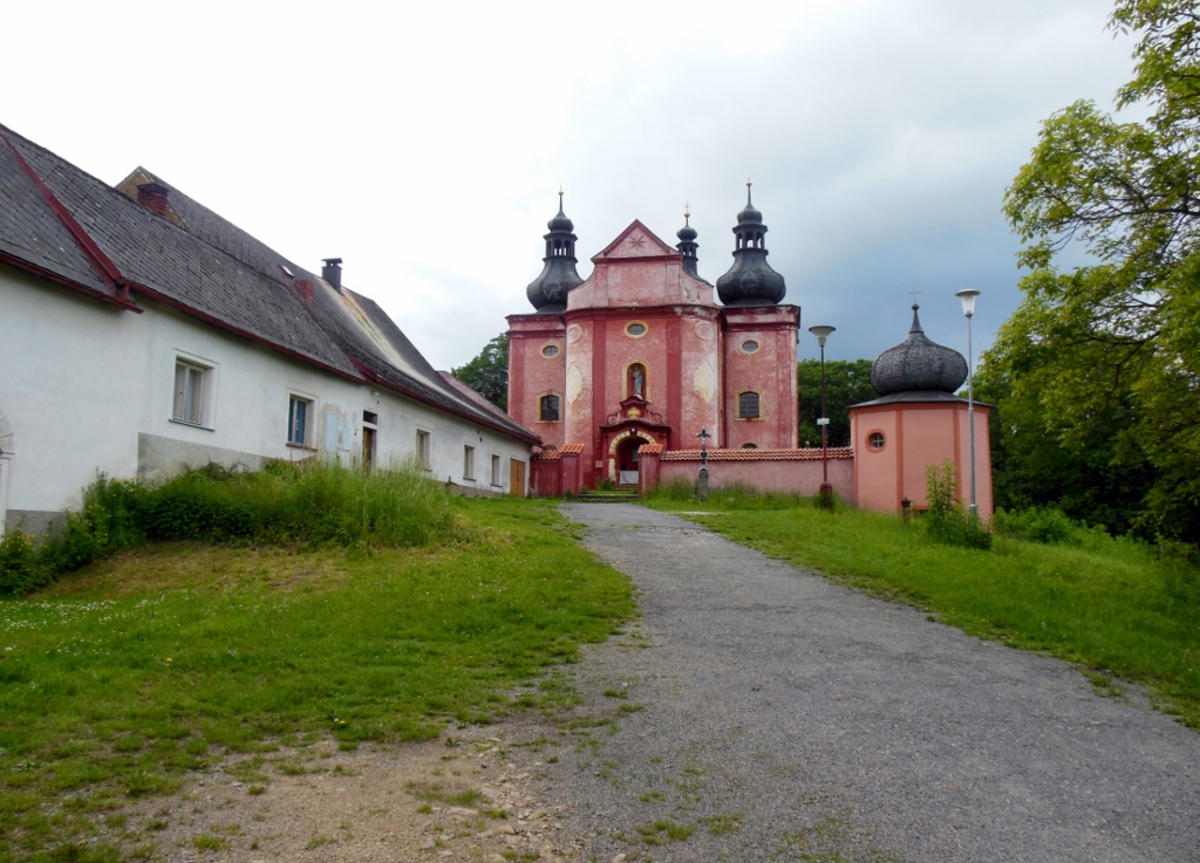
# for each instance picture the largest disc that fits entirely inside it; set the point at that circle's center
(141, 333)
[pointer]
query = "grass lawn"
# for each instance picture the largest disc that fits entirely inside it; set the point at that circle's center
(1108, 605)
(122, 677)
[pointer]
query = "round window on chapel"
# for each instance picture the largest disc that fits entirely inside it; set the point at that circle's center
(749, 346)
(636, 330)
(550, 351)
(875, 440)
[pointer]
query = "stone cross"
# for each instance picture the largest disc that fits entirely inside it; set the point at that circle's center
(702, 488)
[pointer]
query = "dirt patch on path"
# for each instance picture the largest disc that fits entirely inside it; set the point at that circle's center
(465, 796)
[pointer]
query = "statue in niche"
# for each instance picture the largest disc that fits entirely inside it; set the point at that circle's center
(637, 379)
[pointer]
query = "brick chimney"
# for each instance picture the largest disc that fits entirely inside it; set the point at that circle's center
(154, 197)
(332, 273)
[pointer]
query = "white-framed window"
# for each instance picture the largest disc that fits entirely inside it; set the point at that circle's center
(370, 430)
(194, 392)
(423, 450)
(496, 470)
(468, 461)
(301, 419)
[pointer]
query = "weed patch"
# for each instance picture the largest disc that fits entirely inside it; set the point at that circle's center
(665, 830)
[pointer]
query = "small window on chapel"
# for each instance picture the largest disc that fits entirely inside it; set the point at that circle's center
(749, 406)
(750, 346)
(550, 351)
(876, 440)
(637, 329)
(548, 409)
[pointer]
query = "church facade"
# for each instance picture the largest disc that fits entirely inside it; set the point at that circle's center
(640, 354)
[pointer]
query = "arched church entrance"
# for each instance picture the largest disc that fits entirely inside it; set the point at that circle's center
(627, 461)
(623, 457)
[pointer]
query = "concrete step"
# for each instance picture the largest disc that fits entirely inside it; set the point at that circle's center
(608, 497)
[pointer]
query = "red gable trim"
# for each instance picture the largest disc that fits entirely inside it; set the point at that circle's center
(49, 276)
(228, 327)
(477, 420)
(100, 262)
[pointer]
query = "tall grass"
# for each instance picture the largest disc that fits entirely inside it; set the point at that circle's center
(313, 505)
(1109, 604)
(126, 675)
(735, 496)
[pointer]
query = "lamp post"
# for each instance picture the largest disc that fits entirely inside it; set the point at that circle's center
(822, 333)
(968, 295)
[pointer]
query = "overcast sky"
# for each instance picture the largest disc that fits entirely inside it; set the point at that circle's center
(424, 143)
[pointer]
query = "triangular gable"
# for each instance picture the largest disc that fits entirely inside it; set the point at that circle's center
(636, 241)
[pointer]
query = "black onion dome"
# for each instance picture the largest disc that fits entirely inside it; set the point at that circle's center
(548, 292)
(688, 246)
(750, 213)
(750, 281)
(560, 222)
(918, 364)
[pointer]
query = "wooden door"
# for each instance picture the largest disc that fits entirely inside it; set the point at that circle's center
(368, 453)
(516, 478)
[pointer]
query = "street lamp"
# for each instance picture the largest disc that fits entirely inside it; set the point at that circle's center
(822, 333)
(968, 295)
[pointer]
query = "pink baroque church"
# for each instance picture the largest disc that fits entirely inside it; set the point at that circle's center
(620, 372)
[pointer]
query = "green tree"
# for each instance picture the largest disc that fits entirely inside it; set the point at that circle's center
(847, 382)
(487, 374)
(1114, 348)
(1030, 468)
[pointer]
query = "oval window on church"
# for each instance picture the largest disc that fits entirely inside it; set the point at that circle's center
(876, 440)
(635, 330)
(749, 346)
(550, 351)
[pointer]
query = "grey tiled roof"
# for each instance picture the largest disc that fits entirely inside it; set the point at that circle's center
(31, 232)
(208, 267)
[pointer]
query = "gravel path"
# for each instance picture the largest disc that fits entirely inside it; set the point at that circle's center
(776, 715)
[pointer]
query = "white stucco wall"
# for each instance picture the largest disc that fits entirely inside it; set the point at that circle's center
(85, 386)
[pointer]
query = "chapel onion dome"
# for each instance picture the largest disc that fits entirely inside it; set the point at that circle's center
(750, 281)
(688, 246)
(548, 292)
(918, 365)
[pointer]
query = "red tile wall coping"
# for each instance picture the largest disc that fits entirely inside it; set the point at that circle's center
(808, 454)
(557, 454)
